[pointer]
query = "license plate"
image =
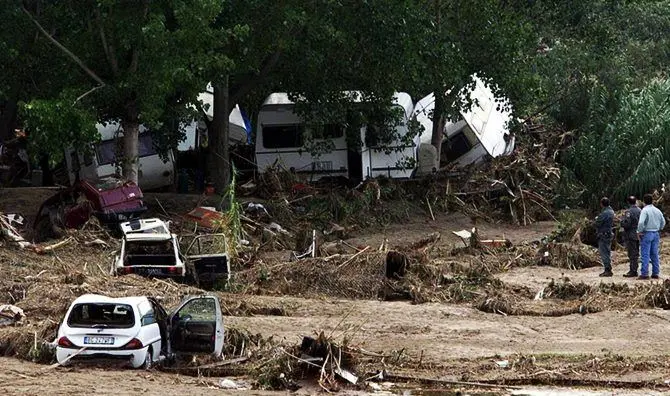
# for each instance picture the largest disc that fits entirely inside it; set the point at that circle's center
(99, 340)
(153, 271)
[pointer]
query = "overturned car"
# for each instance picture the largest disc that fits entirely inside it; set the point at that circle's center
(138, 330)
(111, 201)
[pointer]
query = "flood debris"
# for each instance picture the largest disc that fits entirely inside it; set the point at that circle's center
(9, 232)
(10, 315)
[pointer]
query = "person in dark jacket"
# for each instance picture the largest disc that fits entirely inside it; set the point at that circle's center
(629, 224)
(604, 224)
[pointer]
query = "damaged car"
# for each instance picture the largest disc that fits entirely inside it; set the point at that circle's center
(111, 201)
(138, 330)
(148, 248)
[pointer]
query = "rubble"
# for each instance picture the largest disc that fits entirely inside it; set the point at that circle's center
(10, 314)
(8, 231)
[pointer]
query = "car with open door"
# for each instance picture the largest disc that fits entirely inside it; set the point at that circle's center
(208, 260)
(196, 326)
(138, 330)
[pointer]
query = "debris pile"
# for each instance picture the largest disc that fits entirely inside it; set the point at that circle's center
(520, 187)
(567, 255)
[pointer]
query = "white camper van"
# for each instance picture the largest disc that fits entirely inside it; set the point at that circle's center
(153, 171)
(280, 139)
(482, 131)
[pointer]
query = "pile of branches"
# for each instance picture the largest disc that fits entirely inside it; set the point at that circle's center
(520, 188)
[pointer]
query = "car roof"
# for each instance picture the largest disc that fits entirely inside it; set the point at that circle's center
(98, 298)
(145, 226)
(146, 229)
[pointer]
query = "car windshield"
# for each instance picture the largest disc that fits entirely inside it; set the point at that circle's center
(103, 315)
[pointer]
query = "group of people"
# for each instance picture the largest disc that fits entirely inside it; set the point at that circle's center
(641, 233)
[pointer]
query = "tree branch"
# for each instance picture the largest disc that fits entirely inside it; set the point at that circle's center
(74, 57)
(111, 58)
(251, 82)
(86, 93)
(136, 52)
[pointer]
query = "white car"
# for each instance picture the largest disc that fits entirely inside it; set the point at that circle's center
(148, 248)
(138, 329)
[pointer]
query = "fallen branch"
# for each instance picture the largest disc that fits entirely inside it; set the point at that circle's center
(430, 209)
(42, 250)
(64, 361)
(353, 257)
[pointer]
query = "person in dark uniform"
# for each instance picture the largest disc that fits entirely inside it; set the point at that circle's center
(629, 224)
(604, 224)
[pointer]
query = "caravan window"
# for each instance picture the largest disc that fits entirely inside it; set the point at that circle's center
(106, 150)
(282, 136)
(456, 146)
(329, 131)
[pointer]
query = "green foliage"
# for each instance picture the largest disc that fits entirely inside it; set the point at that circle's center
(627, 152)
(57, 124)
(594, 48)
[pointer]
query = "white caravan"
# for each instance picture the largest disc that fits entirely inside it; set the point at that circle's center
(483, 130)
(237, 127)
(153, 172)
(280, 140)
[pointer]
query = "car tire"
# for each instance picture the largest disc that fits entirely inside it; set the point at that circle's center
(148, 359)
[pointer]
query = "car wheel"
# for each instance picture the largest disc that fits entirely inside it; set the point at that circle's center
(148, 359)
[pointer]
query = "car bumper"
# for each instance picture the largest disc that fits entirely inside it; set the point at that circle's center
(151, 271)
(135, 357)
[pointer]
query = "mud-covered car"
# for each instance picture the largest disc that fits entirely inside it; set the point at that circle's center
(112, 201)
(138, 330)
(148, 248)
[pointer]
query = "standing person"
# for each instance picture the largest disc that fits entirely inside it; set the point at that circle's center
(629, 224)
(604, 224)
(651, 222)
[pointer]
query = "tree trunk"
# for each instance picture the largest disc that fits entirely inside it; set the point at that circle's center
(130, 166)
(219, 164)
(7, 120)
(439, 121)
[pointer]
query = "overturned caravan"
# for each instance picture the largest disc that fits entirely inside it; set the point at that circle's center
(482, 131)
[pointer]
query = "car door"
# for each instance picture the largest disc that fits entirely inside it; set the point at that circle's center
(196, 326)
(207, 257)
(163, 325)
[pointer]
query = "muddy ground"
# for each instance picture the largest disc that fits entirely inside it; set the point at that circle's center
(586, 334)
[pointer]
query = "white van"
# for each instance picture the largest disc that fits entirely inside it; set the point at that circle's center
(281, 140)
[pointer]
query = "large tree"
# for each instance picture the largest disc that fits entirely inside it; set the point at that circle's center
(128, 59)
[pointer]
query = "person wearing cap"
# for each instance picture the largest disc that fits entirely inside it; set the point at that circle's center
(651, 222)
(629, 224)
(604, 224)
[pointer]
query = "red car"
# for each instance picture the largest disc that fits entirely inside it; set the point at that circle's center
(111, 201)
